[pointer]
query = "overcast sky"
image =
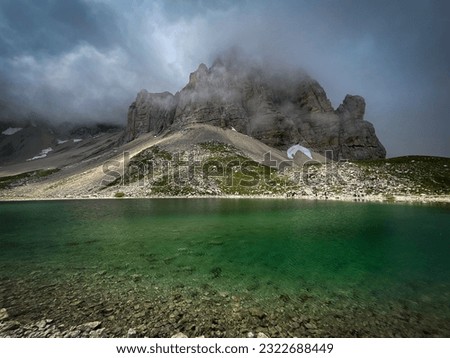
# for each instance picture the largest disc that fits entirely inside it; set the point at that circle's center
(86, 60)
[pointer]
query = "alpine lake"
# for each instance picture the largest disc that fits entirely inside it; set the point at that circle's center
(227, 267)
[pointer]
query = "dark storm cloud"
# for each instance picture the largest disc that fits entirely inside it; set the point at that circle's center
(395, 54)
(85, 60)
(50, 27)
(41, 73)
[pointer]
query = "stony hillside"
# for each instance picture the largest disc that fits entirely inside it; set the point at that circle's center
(217, 169)
(25, 141)
(205, 160)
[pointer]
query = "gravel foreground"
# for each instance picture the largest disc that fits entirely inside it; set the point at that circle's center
(100, 305)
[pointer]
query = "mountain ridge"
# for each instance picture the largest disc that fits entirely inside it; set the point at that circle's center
(280, 109)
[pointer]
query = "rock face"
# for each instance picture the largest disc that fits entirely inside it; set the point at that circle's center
(151, 112)
(357, 137)
(278, 109)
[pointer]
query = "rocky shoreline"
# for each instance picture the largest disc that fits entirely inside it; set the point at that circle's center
(411, 199)
(101, 305)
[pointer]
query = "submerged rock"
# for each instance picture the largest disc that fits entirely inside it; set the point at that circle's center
(216, 272)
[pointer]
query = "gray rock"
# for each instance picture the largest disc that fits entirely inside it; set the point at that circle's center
(179, 335)
(4, 315)
(261, 335)
(131, 333)
(73, 334)
(41, 324)
(9, 326)
(357, 137)
(136, 277)
(98, 333)
(151, 112)
(89, 326)
(310, 326)
(352, 108)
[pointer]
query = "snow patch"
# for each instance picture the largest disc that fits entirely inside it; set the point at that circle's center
(298, 148)
(61, 141)
(11, 131)
(42, 154)
(77, 140)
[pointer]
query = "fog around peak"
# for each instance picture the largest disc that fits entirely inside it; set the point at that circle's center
(85, 61)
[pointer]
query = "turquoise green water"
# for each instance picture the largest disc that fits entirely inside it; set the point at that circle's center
(261, 247)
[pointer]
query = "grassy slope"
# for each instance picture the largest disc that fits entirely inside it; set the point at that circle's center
(411, 175)
(23, 178)
(429, 175)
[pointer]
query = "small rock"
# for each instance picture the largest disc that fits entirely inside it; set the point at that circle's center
(3, 314)
(250, 335)
(131, 333)
(136, 277)
(261, 335)
(107, 311)
(139, 315)
(310, 326)
(179, 335)
(89, 326)
(98, 333)
(257, 313)
(216, 272)
(73, 334)
(41, 324)
(10, 325)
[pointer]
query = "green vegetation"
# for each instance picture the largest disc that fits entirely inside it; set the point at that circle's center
(218, 169)
(219, 148)
(23, 178)
(241, 175)
(154, 152)
(424, 173)
(119, 194)
(140, 164)
(214, 168)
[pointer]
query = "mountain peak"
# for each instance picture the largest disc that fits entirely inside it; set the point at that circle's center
(278, 108)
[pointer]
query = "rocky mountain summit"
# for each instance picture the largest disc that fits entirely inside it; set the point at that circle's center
(279, 109)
